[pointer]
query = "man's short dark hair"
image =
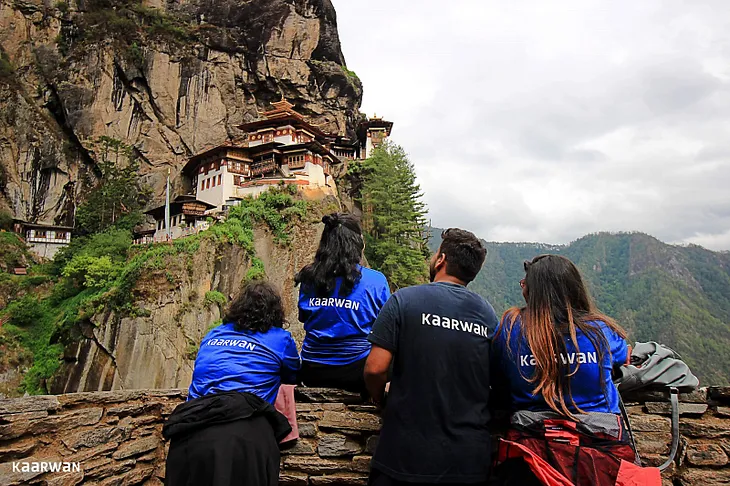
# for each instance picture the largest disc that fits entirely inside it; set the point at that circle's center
(465, 253)
(257, 308)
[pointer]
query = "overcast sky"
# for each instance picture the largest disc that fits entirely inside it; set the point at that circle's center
(530, 120)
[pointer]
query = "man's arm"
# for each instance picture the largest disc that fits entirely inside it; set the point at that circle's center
(376, 372)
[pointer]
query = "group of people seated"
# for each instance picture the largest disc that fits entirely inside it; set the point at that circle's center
(444, 357)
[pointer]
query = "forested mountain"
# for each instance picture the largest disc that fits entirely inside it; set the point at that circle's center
(675, 295)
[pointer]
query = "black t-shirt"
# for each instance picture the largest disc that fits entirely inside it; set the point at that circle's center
(435, 421)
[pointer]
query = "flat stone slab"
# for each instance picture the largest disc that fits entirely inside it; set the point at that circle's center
(356, 421)
(664, 408)
(338, 479)
(337, 445)
(706, 455)
(326, 395)
(44, 403)
(643, 396)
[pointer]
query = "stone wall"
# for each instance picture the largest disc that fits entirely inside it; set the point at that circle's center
(115, 437)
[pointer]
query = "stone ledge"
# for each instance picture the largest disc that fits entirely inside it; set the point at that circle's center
(116, 437)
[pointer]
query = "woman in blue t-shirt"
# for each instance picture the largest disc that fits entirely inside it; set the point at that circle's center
(339, 300)
(555, 356)
(228, 430)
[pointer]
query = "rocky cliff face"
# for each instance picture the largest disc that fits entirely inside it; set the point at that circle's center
(166, 78)
(157, 347)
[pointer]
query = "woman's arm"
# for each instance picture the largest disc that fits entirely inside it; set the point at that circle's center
(291, 362)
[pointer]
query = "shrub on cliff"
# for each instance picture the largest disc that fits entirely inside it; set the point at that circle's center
(6, 221)
(25, 312)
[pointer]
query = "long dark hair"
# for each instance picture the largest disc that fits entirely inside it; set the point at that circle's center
(257, 308)
(339, 254)
(558, 303)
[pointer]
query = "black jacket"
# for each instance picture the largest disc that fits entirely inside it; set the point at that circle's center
(221, 408)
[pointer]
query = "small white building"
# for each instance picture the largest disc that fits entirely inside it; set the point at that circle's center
(187, 217)
(43, 239)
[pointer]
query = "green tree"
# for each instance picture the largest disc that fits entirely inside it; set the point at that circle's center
(118, 198)
(394, 216)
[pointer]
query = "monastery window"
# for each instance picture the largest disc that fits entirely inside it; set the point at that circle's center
(202, 169)
(60, 235)
(220, 178)
(40, 233)
(202, 184)
(207, 183)
(159, 225)
(213, 180)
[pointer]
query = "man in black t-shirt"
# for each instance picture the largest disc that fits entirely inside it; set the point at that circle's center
(437, 336)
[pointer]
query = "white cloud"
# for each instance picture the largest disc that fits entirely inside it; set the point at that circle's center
(544, 121)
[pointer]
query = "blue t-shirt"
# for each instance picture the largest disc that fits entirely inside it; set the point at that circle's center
(337, 327)
(517, 363)
(244, 361)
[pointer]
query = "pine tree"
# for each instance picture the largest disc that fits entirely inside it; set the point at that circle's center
(394, 220)
(118, 198)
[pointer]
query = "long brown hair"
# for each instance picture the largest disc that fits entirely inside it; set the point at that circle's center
(558, 304)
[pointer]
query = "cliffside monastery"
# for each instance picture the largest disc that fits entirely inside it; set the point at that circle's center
(281, 147)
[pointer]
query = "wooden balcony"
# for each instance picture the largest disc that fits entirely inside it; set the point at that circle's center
(263, 167)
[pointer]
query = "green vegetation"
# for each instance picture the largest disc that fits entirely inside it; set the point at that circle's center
(678, 296)
(394, 216)
(102, 272)
(6, 67)
(13, 252)
(32, 326)
(118, 198)
(125, 22)
(61, 6)
(350, 74)
(6, 220)
(214, 297)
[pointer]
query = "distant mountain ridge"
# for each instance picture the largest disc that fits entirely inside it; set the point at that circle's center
(675, 295)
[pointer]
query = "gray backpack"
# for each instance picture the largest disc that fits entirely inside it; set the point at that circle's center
(656, 367)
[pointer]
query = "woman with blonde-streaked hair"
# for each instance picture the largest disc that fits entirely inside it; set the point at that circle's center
(553, 361)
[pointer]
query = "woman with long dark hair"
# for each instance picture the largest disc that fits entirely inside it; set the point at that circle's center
(553, 362)
(228, 431)
(339, 300)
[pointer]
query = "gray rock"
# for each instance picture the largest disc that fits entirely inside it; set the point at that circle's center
(706, 455)
(339, 480)
(301, 447)
(139, 446)
(29, 404)
(663, 408)
(17, 450)
(336, 445)
(355, 421)
(96, 437)
(307, 429)
(324, 395)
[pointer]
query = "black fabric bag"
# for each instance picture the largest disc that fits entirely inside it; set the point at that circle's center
(654, 366)
(224, 439)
